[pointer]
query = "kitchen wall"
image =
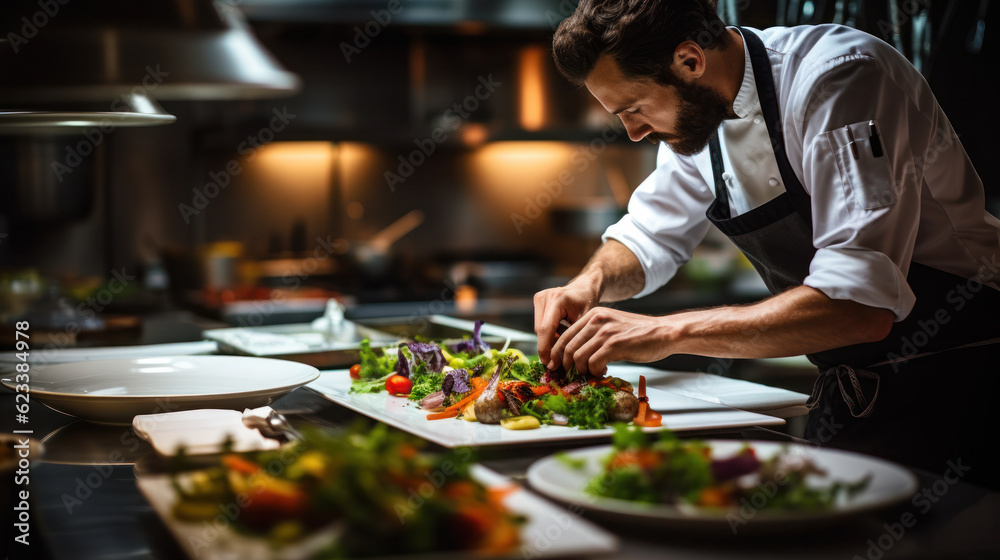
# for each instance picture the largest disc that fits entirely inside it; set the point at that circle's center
(358, 148)
(375, 94)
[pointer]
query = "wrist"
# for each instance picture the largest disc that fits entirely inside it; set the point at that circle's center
(673, 330)
(592, 281)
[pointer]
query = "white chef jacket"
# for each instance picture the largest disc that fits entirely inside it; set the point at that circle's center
(922, 201)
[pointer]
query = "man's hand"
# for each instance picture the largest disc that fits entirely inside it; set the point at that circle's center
(613, 274)
(605, 335)
(801, 320)
(552, 306)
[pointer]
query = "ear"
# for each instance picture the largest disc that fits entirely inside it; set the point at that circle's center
(689, 61)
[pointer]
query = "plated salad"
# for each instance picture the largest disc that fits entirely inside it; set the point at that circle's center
(671, 471)
(371, 490)
(467, 379)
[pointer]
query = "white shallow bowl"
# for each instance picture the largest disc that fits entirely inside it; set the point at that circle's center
(114, 391)
(890, 484)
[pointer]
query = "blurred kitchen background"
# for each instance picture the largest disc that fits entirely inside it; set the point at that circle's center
(412, 157)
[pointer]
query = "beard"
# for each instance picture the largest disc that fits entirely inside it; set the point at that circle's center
(700, 111)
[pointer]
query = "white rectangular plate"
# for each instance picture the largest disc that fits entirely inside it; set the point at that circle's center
(680, 413)
(550, 531)
(737, 393)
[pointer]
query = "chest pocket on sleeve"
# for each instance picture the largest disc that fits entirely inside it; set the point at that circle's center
(863, 163)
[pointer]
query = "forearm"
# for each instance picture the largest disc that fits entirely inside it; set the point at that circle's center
(614, 273)
(799, 321)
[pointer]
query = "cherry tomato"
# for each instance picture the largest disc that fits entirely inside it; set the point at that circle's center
(398, 385)
(356, 371)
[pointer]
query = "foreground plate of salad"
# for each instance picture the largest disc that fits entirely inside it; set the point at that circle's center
(739, 487)
(465, 393)
(363, 493)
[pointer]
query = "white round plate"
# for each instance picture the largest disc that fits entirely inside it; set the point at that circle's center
(114, 391)
(890, 483)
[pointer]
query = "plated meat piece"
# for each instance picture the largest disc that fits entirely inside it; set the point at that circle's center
(489, 406)
(625, 408)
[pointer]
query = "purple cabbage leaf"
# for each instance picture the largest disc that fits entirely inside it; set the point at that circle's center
(402, 363)
(456, 381)
(429, 353)
(473, 346)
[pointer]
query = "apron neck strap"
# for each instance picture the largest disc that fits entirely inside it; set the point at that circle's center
(718, 167)
(772, 117)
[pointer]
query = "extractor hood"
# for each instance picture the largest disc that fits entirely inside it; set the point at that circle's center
(60, 58)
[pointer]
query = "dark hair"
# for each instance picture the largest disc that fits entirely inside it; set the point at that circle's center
(640, 35)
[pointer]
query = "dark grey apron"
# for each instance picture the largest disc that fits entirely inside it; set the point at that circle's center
(921, 395)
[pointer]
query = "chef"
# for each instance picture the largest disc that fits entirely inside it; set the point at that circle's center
(823, 155)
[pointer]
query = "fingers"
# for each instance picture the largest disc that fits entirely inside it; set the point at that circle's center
(558, 356)
(551, 307)
(582, 353)
(600, 358)
(603, 336)
(582, 339)
(548, 313)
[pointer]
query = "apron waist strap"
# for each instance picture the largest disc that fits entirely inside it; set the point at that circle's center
(848, 381)
(859, 404)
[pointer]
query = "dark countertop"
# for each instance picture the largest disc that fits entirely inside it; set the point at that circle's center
(84, 508)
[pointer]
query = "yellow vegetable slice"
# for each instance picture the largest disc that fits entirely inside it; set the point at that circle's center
(195, 511)
(521, 423)
(520, 355)
(469, 412)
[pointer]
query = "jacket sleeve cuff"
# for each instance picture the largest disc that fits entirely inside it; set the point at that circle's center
(862, 275)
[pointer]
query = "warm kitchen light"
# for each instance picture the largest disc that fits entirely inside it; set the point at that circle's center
(357, 162)
(532, 88)
(299, 166)
(499, 155)
(507, 172)
(298, 152)
(355, 210)
(474, 134)
(465, 298)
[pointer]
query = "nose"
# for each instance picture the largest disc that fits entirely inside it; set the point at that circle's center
(636, 128)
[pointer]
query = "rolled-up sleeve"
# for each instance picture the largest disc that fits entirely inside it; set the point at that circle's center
(666, 218)
(865, 192)
(861, 275)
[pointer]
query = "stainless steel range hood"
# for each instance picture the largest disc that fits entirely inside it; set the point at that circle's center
(471, 15)
(59, 58)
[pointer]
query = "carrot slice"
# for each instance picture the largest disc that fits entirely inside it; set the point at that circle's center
(542, 390)
(240, 465)
(407, 451)
(452, 411)
(498, 493)
(715, 496)
(600, 382)
(646, 417)
(468, 398)
(444, 414)
(643, 458)
(653, 419)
